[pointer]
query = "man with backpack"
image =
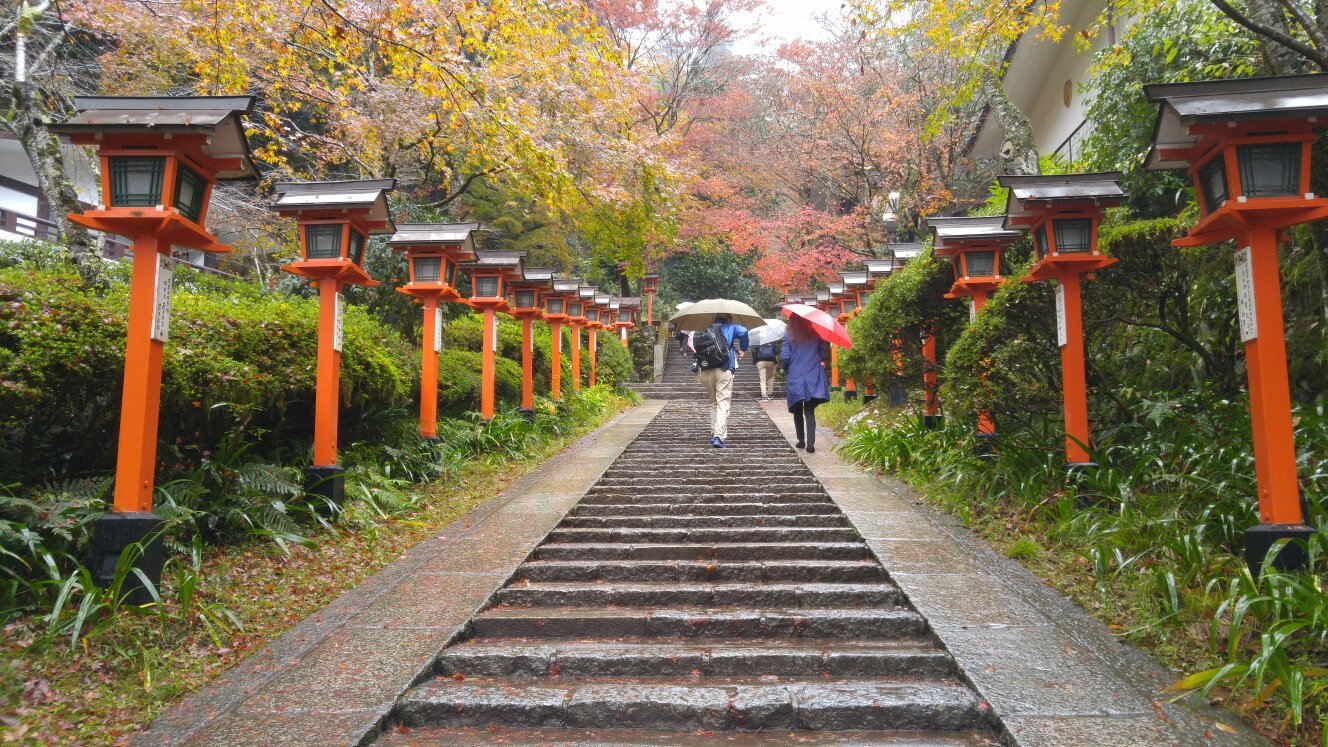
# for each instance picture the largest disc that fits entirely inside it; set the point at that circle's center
(718, 348)
(765, 357)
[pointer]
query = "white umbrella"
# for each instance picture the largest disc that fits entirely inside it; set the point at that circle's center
(702, 314)
(773, 331)
(683, 305)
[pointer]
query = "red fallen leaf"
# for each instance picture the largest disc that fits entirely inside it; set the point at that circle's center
(401, 729)
(696, 673)
(555, 669)
(458, 677)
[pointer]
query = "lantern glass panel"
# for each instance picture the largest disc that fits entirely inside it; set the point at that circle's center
(136, 181)
(849, 305)
(525, 299)
(624, 315)
(356, 246)
(322, 241)
(427, 269)
(574, 308)
(1213, 183)
(553, 305)
(486, 286)
(980, 264)
(592, 314)
(1269, 170)
(1040, 241)
(450, 277)
(1073, 235)
(189, 191)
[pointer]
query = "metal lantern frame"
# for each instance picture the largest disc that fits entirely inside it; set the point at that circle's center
(448, 244)
(352, 210)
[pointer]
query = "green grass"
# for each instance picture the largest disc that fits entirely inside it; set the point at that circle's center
(130, 665)
(835, 414)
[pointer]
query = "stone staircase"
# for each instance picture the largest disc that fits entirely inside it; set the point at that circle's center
(697, 595)
(679, 382)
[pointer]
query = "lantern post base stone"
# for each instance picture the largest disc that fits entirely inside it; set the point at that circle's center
(111, 535)
(984, 445)
(328, 483)
(431, 439)
(932, 422)
(527, 413)
(867, 399)
(850, 395)
(896, 396)
(1260, 538)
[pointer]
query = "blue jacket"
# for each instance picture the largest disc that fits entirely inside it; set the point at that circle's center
(734, 331)
(804, 367)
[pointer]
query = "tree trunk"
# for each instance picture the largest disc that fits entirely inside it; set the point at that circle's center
(44, 152)
(1280, 59)
(1023, 157)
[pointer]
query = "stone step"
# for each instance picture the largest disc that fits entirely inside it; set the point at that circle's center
(517, 657)
(707, 510)
(708, 551)
(742, 520)
(435, 736)
(720, 704)
(689, 622)
(739, 469)
(709, 534)
(656, 594)
(595, 496)
(711, 571)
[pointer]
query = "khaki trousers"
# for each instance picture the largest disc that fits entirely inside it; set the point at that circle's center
(719, 385)
(766, 370)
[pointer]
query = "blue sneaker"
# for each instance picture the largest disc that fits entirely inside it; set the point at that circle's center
(715, 442)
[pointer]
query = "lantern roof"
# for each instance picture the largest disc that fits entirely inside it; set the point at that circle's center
(586, 292)
(603, 300)
(879, 268)
(566, 285)
(823, 296)
(854, 279)
(630, 302)
(360, 194)
(459, 235)
(498, 259)
(948, 233)
(1028, 192)
(904, 251)
(216, 117)
(1218, 101)
(540, 275)
(835, 288)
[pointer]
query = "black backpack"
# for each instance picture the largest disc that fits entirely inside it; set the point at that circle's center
(712, 350)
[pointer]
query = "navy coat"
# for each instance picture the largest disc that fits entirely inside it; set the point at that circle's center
(804, 367)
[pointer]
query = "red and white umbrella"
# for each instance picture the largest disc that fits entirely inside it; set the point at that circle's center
(826, 327)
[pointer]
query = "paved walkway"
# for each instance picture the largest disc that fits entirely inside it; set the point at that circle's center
(617, 596)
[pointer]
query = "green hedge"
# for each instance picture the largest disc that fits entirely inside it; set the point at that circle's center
(459, 381)
(62, 363)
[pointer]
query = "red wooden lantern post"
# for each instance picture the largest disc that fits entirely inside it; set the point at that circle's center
(649, 286)
(526, 295)
(433, 253)
(159, 160)
(556, 305)
(490, 274)
(588, 320)
(576, 317)
(626, 316)
(1246, 145)
(335, 221)
(974, 246)
(1062, 213)
(834, 306)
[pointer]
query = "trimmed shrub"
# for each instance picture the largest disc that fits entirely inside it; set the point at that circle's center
(613, 363)
(459, 381)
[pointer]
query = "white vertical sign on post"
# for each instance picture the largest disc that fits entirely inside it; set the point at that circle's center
(495, 333)
(1249, 321)
(437, 330)
(972, 311)
(1062, 334)
(336, 323)
(161, 299)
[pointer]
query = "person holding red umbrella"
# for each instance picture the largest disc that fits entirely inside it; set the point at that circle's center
(803, 358)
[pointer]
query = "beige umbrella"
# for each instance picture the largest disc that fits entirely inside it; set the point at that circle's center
(701, 314)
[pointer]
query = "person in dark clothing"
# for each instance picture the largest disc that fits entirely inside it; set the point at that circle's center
(803, 359)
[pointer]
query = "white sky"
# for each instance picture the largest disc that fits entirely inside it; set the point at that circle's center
(789, 19)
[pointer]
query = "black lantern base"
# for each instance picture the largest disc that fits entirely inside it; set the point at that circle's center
(850, 395)
(867, 399)
(984, 446)
(836, 388)
(896, 396)
(112, 534)
(526, 413)
(328, 483)
(1261, 537)
(431, 439)
(932, 422)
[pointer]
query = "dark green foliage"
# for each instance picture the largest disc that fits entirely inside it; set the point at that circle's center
(613, 364)
(711, 273)
(459, 381)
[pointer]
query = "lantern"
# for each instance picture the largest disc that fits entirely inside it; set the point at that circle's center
(526, 299)
(579, 311)
(491, 274)
(334, 220)
(975, 278)
(557, 308)
(649, 286)
(159, 159)
(432, 251)
(1063, 213)
(1246, 145)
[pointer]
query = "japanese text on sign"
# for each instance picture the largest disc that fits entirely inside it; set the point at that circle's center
(336, 323)
(1062, 336)
(437, 330)
(1249, 321)
(161, 300)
